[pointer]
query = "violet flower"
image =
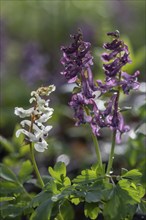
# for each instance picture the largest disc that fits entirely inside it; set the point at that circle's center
(129, 82)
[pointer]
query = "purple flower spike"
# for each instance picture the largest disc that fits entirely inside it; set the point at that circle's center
(76, 58)
(117, 58)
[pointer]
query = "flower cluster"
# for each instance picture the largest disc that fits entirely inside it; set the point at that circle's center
(34, 129)
(115, 58)
(77, 61)
(88, 97)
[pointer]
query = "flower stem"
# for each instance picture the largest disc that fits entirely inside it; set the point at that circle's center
(35, 166)
(111, 156)
(95, 142)
(97, 149)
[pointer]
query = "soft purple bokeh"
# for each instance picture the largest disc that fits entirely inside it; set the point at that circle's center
(33, 64)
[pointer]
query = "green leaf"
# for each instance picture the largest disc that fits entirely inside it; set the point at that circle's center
(60, 168)
(123, 171)
(141, 191)
(65, 211)
(14, 210)
(132, 174)
(5, 199)
(25, 171)
(120, 205)
(89, 175)
(93, 196)
(142, 207)
(52, 187)
(7, 174)
(76, 90)
(59, 171)
(111, 207)
(135, 192)
(43, 211)
(63, 195)
(75, 201)
(67, 181)
(40, 198)
(6, 188)
(6, 144)
(86, 176)
(91, 210)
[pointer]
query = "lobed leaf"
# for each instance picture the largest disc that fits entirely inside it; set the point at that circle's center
(43, 211)
(59, 171)
(25, 171)
(132, 174)
(65, 211)
(91, 210)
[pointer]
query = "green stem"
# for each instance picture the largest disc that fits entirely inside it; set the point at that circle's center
(97, 149)
(35, 166)
(111, 156)
(95, 142)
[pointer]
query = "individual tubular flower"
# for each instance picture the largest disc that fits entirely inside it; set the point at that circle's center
(115, 119)
(129, 82)
(34, 129)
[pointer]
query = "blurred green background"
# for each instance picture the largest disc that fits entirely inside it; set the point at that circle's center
(32, 33)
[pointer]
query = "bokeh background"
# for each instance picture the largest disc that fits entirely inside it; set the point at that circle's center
(32, 33)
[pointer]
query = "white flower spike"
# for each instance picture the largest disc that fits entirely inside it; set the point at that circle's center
(34, 129)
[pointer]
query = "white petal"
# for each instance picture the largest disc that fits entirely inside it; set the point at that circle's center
(45, 109)
(46, 131)
(33, 99)
(18, 132)
(41, 146)
(100, 104)
(25, 122)
(35, 127)
(97, 94)
(48, 128)
(22, 113)
(33, 93)
(44, 118)
(31, 136)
